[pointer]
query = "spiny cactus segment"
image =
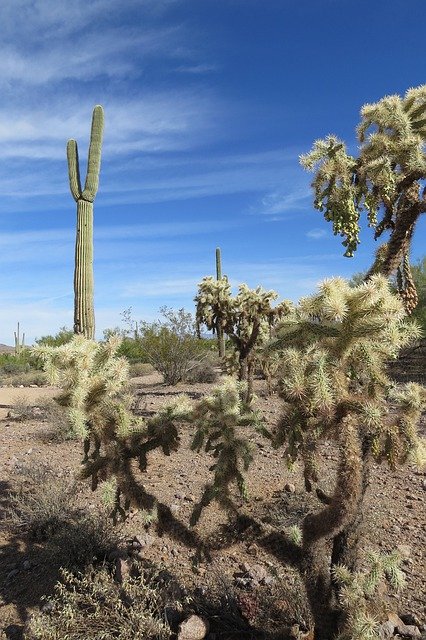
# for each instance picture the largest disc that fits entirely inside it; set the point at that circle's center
(385, 179)
(246, 318)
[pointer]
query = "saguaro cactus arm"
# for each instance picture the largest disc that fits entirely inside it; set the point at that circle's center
(73, 169)
(94, 159)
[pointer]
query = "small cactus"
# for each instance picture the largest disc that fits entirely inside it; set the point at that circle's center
(84, 316)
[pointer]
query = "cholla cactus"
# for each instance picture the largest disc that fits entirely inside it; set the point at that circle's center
(217, 419)
(356, 588)
(93, 381)
(385, 179)
(334, 384)
(246, 318)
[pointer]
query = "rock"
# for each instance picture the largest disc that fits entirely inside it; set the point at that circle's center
(26, 565)
(289, 487)
(408, 631)
(395, 624)
(144, 540)
(174, 508)
(386, 630)
(193, 628)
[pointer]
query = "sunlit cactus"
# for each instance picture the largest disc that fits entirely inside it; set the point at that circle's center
(84, 316)
(333, 379)
(386, 179)
(246, 318)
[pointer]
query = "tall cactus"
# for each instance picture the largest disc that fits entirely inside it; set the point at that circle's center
(220, 334)
(84, 316)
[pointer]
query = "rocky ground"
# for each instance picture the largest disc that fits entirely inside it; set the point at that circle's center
(253, 589)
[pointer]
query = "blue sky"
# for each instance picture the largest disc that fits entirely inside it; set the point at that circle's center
(208, 104)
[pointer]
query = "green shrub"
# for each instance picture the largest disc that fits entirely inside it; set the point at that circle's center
(63, 336)
(171, 346)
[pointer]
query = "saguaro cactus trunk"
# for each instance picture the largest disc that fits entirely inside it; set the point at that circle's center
(84, 316)
(220, 334)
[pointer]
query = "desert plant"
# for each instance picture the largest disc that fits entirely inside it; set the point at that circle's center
(84, 317)
(246, 318)
(63, 336)
(387, 179)
(171, 345)
(138, 369)
(19, 342)
(92, 605)
(43, 502)
(332, 378)
(93, 381)
(204, 371)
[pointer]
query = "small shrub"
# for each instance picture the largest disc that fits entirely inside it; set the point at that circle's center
(171, 346)
(45, 507)
(22, 409)
(139, 369)
(59, 427)
(63, 336)
(43, 502)
(93, 606)
(24, 379)
(204, 371)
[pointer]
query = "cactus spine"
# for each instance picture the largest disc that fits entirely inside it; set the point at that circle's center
(220, 334)
(84, 317)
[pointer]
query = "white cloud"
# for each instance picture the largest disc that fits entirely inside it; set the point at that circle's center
(316, 234)
(276, 203)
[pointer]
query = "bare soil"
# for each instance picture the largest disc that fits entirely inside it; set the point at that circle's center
(395, 515)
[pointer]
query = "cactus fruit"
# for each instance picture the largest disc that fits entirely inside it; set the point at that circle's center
(84, 317)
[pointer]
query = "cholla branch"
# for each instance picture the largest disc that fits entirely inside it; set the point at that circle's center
(386, 179)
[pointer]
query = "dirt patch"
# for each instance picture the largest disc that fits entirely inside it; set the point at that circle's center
(395, 514)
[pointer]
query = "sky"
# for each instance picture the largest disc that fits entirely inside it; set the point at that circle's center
(208, 105)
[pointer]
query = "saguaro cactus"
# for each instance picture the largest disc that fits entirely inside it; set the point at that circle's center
(84, 316)
(220, 334)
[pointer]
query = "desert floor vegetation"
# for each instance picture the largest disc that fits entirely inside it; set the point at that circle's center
(244, 590)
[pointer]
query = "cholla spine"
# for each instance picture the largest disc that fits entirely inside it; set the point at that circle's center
(84, 317)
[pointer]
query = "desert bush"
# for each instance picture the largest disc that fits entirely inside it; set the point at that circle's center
(45, 507)
(171, 346)
(43, 502)
(58, 425)
(139, 369)
(92, 605)
(24, 379)
(204, 371)
(22, 409)
(63, 336)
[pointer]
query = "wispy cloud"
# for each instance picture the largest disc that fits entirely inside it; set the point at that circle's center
(316, 234)
(277, 203)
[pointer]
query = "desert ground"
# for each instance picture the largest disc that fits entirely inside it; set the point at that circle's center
(244, 587)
